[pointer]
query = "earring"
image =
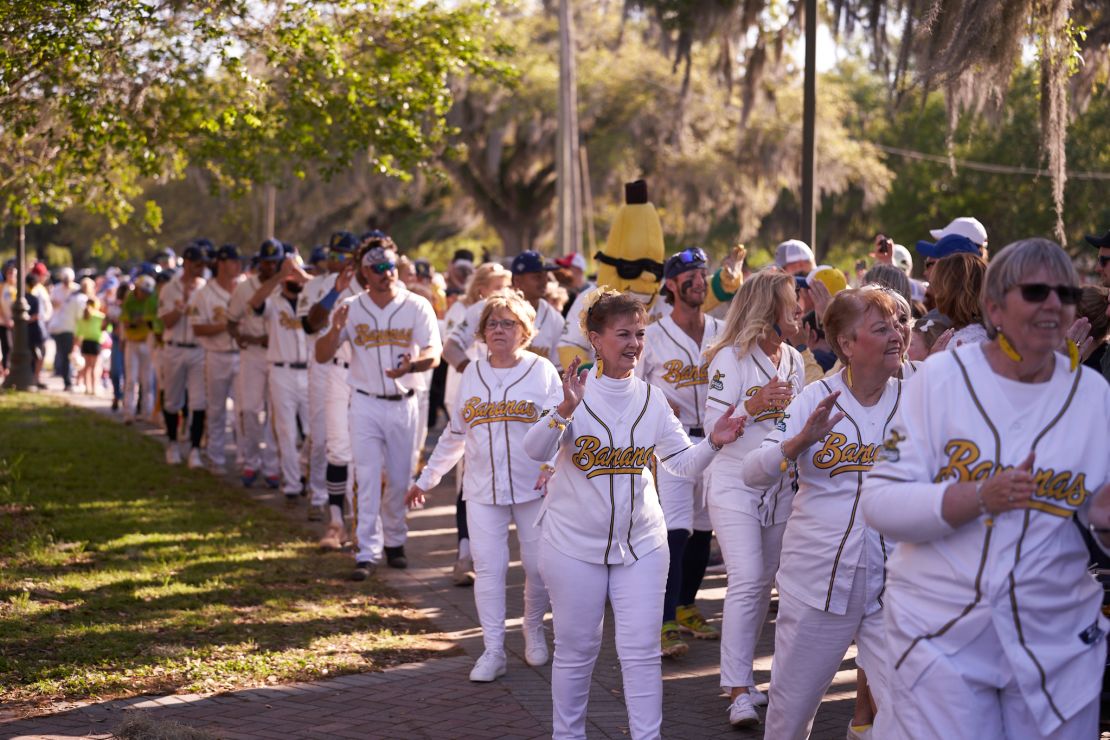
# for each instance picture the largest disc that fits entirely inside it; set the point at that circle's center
(1006, 347)
(848, 376)
(1073, 354)
(600, 366)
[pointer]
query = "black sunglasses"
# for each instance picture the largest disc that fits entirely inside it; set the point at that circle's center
(1038, 293)
(631, 269)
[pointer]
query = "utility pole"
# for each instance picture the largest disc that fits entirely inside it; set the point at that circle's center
(568, 174)
(809, 134)
(22, 373)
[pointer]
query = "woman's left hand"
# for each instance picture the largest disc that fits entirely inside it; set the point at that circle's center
(727, 429)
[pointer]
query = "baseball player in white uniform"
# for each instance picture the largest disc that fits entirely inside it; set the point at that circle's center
(183, 360)
(209, 315)
(392, 333)
(256, 446)
(287, 355)
(674, 362)
(324, 295)
(529, 273)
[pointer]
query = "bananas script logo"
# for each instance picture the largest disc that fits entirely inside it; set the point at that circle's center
(681, 375)
(476, 411)
(288, 321)
(367, 337)
(840, 456)
(593, 459)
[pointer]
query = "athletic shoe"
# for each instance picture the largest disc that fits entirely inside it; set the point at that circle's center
(249, 476)
(691, 622)
(173, 454)
(395, 558)
(741, 713)
(333, 538)
(316, 513)
(195, 460)
(759, 699)
(115, 404)
(489, 667)
(859, 732)
(363, 571)
(129, 420)
(273, 481)
(670, 642)
(292, 499)
(535, 645)
(463, 572)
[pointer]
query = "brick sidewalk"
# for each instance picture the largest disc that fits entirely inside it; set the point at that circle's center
(434, 699)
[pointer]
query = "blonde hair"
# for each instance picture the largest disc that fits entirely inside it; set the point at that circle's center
(754, 309)
(481, 279)
(513, 302)
(848, 307)
(605, 304)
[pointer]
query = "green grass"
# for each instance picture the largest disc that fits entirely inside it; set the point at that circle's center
(120, 575)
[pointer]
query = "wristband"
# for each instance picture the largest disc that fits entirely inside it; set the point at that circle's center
(329, 300)
(712, 445)
(983, 504)
(557, 420)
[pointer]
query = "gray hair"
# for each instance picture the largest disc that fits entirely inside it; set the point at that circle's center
(1011, 265)
(891, 277)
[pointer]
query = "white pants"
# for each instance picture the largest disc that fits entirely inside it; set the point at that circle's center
(383, 432)
(423, 396)
(578, 592)
(288, 400)
(683, 501)
(809, 647)
(751, 552)
(489, 545)
(971, 693)
(220, 371)
(257, 446)
(338, 403)
(183, 368)
(317, 433)
(138, 374)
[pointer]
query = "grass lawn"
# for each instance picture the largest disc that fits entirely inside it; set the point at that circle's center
(120, 575)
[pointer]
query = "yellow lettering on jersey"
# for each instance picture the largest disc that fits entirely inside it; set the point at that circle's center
(219, 315)
(288, 321)
(476, 411)
(839, 456)
(768, 414)
(681, 375)
(593, 459)
(367, 337)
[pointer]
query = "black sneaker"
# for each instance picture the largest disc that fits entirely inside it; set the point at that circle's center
(115, 404)
(395, 557)
(291, 500)
(362, 571)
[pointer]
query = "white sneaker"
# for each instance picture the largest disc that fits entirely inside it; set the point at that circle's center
(535, 645)
(863, 733)
(333, 538)
(463, 572)
(759, 699)
(741, 713)
(173, 454)
(489, 667)
(195, 460)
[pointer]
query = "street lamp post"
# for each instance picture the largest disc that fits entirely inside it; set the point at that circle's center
(21, 375)
(809, 137)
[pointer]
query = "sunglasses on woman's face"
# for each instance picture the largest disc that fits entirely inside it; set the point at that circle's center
(1038, 293)
(383, 267)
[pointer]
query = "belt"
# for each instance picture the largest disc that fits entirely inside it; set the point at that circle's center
(183, 345)
(340, 363)
(696, 432)
(291, 365)
(399, 397)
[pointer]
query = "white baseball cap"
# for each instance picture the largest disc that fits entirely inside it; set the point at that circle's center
(902, 259)
(793, 250)
(145, 283)
(965, 226)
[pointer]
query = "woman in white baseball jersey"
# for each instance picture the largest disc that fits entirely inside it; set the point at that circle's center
(753, 369)
(604, 536)
(994, 626)
(499, 400)
(830, 577)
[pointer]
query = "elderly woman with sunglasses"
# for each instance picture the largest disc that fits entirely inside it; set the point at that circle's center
(994, 626)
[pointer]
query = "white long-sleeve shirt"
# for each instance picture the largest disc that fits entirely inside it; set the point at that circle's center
(1026, 575)
(826, 541)
(735, 378)
(494, 410)
(600, 507)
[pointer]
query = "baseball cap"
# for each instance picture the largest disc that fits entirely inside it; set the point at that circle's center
(965, 226)
(832, 278)
(462, 255)
(423, 268)
(271, 251)
(793, 250)
(342, 241)
(319, 254)
(574, 259)
(1099, 242)
(686, 260)
(902, 258)
(951, 244)
(193, 253)
(145, 283)
(228, 252)
(530, 261)
(372, 234)
(378, 255)
(39, 269)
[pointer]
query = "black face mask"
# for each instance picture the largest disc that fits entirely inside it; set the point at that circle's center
(293, 286)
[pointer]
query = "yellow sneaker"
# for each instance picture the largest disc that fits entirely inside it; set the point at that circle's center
(670, 641)
(691, 622)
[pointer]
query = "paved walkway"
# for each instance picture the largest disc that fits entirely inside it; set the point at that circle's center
(434, 699)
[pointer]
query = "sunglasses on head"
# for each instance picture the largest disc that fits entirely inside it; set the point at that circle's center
(382, 268)
(1038, 293)
(692, 255)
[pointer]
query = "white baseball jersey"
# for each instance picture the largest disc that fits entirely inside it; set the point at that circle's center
(600, 507)
(549, 327)
(1025, 575)
(454, 316)
(733, 379)
(496, 407)
(239, 310)
(314, 291)
(287, 339)
(380, 337)
(172, 298)
(572, 333)
(826, 541)
(210, 306)
(675, 364)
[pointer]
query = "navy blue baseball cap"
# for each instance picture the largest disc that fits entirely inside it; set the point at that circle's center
(686, 260)
(319, 254)
(290, 250)
(530, 261)
(372, 234)
(166, 253)
(948, 245)
(271, 251)
(193, 253)
(343, 241)
(228, 252)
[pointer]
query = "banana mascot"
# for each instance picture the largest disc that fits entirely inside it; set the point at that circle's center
(632, 262)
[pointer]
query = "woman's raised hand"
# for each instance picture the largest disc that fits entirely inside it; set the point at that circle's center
(776, 394)
(574, 387)
(727, 429)
(821, 421)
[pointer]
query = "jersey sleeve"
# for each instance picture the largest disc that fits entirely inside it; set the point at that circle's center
(200, 308)
(236, 307)
(676, 452)
(425, 333)
(725, 386)
(764, 465)
(168, 298)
